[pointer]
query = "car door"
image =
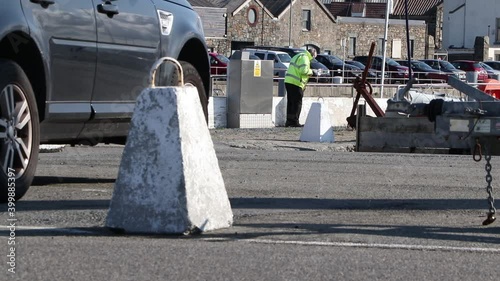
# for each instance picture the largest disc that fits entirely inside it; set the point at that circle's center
(128, 37)
(67, 30)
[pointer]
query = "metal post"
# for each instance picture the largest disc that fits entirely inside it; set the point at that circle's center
(290, 26)
(384, 47)
(408, 51)
(361, 113)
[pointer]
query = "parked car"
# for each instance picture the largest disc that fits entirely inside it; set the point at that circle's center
(290, 51)
(492, 73)
(445, 66)
(218, 63)
(424, 73)
(338, 67)
(372, 75)
(471, 66)
(316, 66)
(321, 73)
(281, 59)
(77, 68)
(397, 73)
(493, 64)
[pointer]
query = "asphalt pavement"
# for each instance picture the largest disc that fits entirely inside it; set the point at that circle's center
(302, 211)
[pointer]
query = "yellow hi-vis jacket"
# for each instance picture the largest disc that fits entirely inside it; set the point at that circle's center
(299, 70)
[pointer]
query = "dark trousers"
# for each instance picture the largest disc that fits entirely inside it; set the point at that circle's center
(294, 96)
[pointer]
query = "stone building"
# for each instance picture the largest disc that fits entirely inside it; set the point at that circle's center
(233, 25)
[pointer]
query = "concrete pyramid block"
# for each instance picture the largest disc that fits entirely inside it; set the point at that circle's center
(318, 127)
(169, 179)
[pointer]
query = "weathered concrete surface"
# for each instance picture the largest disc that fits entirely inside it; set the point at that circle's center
(169, 179)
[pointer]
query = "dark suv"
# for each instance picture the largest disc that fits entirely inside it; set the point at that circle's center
(70, 72)
(338, 67)
(397, 72)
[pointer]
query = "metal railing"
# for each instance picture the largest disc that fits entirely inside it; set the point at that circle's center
(332, 86)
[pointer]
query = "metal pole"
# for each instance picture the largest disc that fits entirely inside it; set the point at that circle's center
(290, 26)
(408, 51)
(384, 47)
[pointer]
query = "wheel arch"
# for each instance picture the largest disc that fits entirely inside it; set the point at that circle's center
(22, 49)
(196, 54)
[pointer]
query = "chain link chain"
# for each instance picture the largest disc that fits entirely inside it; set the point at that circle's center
(489, 188)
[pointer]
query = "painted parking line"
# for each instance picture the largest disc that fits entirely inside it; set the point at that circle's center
(365, 245)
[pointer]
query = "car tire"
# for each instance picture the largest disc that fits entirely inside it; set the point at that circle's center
(192, 77)
(19, 132)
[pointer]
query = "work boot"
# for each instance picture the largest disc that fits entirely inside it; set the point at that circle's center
(293, 124)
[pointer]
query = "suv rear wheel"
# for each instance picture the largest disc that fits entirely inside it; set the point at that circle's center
(19, 132)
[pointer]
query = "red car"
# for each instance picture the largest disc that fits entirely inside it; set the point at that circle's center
(472, 66)
(218, 63)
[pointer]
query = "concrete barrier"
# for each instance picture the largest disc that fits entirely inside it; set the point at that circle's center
(318, 127)
(338, 108)
(169, 179)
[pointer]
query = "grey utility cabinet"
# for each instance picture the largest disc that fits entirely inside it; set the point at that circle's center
(249, 92)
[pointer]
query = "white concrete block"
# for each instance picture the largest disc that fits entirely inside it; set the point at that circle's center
(217, 108)
(339, 109)
(169, 179)
(279, 111)
(318, 127)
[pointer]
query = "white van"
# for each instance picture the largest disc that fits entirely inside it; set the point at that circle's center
(281, 59)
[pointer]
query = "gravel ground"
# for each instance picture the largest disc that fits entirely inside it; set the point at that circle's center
(281, 138)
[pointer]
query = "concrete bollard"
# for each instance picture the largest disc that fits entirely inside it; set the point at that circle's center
(169, 181)
(318, 127)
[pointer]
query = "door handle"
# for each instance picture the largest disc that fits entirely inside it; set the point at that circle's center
(43, 3)
(108, 9)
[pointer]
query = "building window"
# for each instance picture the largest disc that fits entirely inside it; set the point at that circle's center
(497, 37)
(351, 51)
(306, 20)
(252, 16)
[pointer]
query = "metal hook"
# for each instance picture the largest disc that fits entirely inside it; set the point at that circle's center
(477, 148)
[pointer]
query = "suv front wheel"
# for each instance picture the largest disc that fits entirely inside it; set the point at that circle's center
(19, 132)
(192, 77)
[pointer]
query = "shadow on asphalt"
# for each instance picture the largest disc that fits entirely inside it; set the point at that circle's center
(267, 231)
(462, 234)
(359, 204)
(44, 180)
(59, 205)
(475, 234)
(283, 203)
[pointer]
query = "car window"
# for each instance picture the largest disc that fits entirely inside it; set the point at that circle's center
(335, 60)
(271, 57)
(477, 65)
(356, 63)
(260, 55)
(485, 66)
(447, 65)
(433, 64)
(421, 65)
(392, 62)
(284, 58)
(223, 58)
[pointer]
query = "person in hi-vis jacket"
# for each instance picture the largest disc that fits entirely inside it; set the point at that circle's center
(296, 78)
